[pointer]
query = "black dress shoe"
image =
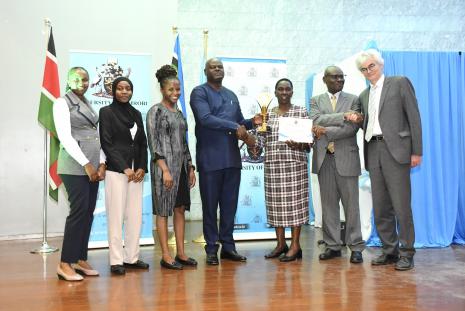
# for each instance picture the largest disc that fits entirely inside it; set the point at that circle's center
(277, 252)
(329, 254)
(212, 260)
(137, 265)
(232, 255)
(356, 257)
(188, 262)
(297, 255)
(404, 263)
(117, 269)
(385, 259)
(173, 266)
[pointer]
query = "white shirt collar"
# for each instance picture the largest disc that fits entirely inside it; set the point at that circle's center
(336, 94)
(378, 83)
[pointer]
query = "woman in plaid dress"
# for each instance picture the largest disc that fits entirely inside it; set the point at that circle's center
(286, 177)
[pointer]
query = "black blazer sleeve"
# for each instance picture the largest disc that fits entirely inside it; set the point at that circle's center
(141, 154)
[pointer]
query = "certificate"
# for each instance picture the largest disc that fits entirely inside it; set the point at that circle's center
(298, 130)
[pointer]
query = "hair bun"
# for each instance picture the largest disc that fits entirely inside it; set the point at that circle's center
(165, 72)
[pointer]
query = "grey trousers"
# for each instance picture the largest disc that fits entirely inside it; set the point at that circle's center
(391, 193)
(333, 188)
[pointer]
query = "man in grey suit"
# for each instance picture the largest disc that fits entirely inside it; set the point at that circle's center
(336, 161)
(392, 146)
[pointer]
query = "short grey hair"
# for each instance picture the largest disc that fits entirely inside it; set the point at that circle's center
(370, 53)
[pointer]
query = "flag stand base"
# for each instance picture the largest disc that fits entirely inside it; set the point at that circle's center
(44, 249)
(199, 239)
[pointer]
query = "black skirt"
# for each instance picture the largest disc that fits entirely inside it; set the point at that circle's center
(183, 197)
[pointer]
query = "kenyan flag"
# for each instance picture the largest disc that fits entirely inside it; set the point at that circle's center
(50, 92)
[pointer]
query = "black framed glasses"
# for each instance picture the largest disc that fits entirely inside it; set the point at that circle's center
(370, 68)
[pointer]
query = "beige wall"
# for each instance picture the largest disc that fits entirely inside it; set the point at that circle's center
(142, 26)
(309, 34)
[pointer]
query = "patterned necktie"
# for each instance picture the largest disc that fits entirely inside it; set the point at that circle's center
(372, 109)
(333, 102)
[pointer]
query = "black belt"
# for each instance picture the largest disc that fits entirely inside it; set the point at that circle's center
(377, 138)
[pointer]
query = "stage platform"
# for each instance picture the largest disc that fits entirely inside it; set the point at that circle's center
(29, 282)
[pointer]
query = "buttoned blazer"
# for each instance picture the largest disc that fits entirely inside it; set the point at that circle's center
(342, 133)
(117, 143)
(399, 119)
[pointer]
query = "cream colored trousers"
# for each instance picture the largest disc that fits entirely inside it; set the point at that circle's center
(123, 203)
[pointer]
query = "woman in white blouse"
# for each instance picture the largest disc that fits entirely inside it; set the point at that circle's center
(81, 165)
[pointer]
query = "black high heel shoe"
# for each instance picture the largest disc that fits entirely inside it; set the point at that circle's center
(277, 252)
(297, 255)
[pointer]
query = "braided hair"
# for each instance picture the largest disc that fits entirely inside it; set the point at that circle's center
(165, 73)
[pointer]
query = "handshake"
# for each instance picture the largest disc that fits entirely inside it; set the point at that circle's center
(349, 116)
(242, 134)
(353, 116)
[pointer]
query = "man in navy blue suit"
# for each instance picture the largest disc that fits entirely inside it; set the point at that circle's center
(219, 125)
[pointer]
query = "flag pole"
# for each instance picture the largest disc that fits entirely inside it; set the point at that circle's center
(205, 44)
(45, 247)
(171, 235)
(201, 238)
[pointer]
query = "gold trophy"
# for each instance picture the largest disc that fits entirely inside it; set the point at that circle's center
(264, 100)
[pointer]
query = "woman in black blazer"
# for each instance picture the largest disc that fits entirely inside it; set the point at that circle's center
(125, 145)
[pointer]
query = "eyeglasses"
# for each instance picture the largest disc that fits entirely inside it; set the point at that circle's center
(336, 77)
(370, 68)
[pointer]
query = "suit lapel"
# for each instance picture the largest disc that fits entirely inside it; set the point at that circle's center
(341, 101)
(364, 100)
(386, 85)
(327, 103)
(84, 109)
(89, 112)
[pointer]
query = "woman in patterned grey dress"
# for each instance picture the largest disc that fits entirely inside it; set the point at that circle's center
(286, 177)
(171, 167)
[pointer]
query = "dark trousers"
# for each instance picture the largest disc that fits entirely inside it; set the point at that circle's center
(220, 187)
(391, 193)
(82, 196)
